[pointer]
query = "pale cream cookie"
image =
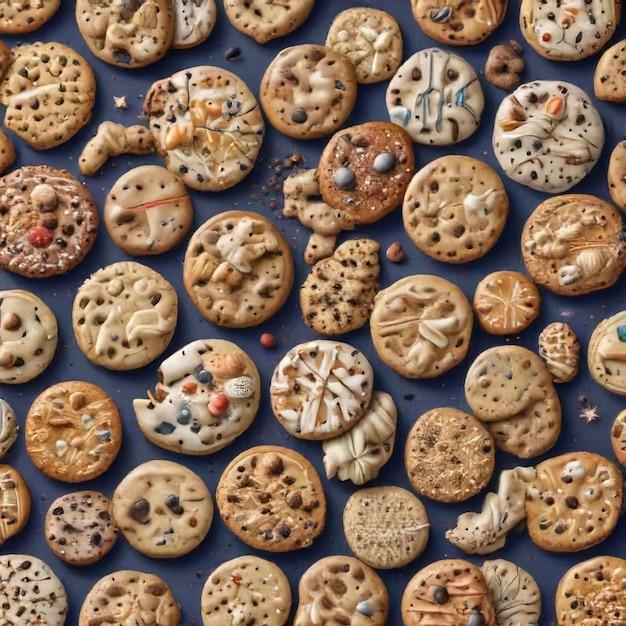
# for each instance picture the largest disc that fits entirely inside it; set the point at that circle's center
(559, 347)
(194, 21)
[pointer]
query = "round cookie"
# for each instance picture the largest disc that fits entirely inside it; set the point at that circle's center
(559, 348)
(16, 503)
(124, 315)
(9, 428)
(48, 221)
(455, 208)
(547, 135)
(364, 170)
(616, 175)
(194, 21)
(148, 210)
(606, 353)
(73, 431)
(238, 269)
(371, 39)
(247, 589)
(618, 437)
(421, 326)
(574, 244)
(436, 96)
(132, 596)
(272, 499)
(308, 91)
(342, 588)
(609, 80)
(207, 395)
(78, 527)
(18, 18)
(163, 509)
(207, 125)
(386, 527)
(449, 455)
(28, 336)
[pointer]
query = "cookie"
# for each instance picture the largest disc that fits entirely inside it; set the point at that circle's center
(386, 527)
(506, 302)
(79, 528)
(26, 17)
(49, 92)
(290, 79)
(207, 125)
(450, 591)
(547, 135)
(124, 315)
(7, 152)
(194, 21)
(207, 395)
(321, 388)
(436, 96)
(455, 209)
(609, 82)
(421, 326)
(238, 269)
(127, 35)
(616, 175)
(574, 244)
(48, 221)
(16, 502)
(364, 170)
(515, 593)
(163, 509)
(359, 453)
(9, 428)
(148, 210)
(247, 589)
(449, 455)
(338, 294)
(371, 39)
(129, 595)
(606, 353)
(29, 334)
(73, 431)
(504, 66)
(341, 589)
(272, 499)
(559, 348)
(618, 437)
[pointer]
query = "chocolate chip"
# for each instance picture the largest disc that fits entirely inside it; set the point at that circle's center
(140, 511)
(172, 502)
(476, 618)
(384, 162)
(345, 179)
(232, 53)
(440, 594)
(299, 116)
(572, 502)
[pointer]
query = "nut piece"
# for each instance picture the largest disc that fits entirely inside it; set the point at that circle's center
(559, 348)
(504, 66)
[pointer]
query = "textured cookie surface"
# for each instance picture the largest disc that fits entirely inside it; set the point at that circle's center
(559, 347)
(17, 18)
(609, 81)
(16, 500)
(618, 437)
(9, 428)
(606, 353)
(616, 175)
(193, 22)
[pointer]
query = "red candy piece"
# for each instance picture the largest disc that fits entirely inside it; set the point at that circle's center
(40, 237)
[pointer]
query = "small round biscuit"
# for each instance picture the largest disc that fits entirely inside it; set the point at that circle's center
(79, 528)
(606, 353)
(18, 18)
(559, 347)
(194, 21)
(163, 509)
(436, 96)
(248, 590)
(618, 437)
(28, 336)
(16, 503)
(73, 431)
(616, 175)
(272, 499)
(9, 428)
(609, 79)
(308, 91)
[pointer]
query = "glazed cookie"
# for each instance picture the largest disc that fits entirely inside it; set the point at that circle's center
(609, 81)
(559, 348)
(616, 175)
(455, 209)
(48, 221)
(194, 21)
(574, 244)
(364, 170)
(618, 437)
(28, 336)
(25, 17)
(371, 39)
(386, 527)
(547, 135)
(238, 269)
(449, 591)
(449, 455)
(73, 431)
(421, 326)
(163, 509)
(343, 590)
(9, 428)
(436, 96)
(148, 210)
(290, 80)
(124, 315)
(127, 35)
(128, 595)
(338, 295)
(16, 503)
(49, 92)
(207, 125)
(248, 590)
(272, 499)
(606, 353)
(207, 395)
(321, 388)
(79, 528)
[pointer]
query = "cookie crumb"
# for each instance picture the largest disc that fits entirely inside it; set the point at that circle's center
(268, 340)
(395, 253)
(504, 66)
(119, 102)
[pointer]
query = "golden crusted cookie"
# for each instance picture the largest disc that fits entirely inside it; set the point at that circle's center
(16, 503)
(18, 18)
(616, 175)
(609, 81)
(618, 437)
(9, 428)
(559, 348)
(606, 353)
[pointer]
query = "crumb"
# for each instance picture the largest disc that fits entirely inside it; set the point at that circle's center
(395, 253)
(120, 102)
(589, 413)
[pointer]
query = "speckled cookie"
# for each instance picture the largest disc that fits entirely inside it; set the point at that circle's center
(616, 175)
(618, 437)
(606, 353)
(436, 96)
(238, 269)
(9, 428)
(163, 509)
(15, 504)
(272, 499)
(48, 221)
(547, 135)
(73, 431)
(559, 347)
(18, 18)
(194, 21)
(609, 80)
